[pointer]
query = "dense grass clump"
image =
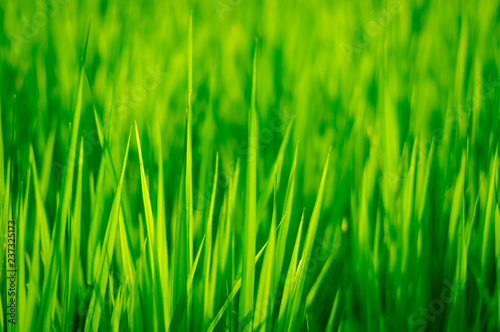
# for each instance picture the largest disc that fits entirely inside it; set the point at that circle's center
(236, 165)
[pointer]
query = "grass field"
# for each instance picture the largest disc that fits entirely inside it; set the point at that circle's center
(233, 165)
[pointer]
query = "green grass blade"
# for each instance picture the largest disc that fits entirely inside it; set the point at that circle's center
(233, 293)
(208, 248)
(74, 256)
(162, 243)
(283, 232)
(150, 227)
(264, 302)
(290, 280)
(95, 308)
(181, 308)
(300, 279)
(248, 279)
(50, 282)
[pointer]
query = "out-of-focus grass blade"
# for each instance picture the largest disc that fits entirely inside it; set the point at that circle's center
(189, 164)
(278, 164)
(189, 154)
(420, 204)
(208, 248)
(295, 317)
(485, 242)
(105, 147)
(180, 246)
(34, 273)
(233, 293)
(95, 223)
(135, 285)
(34, 288)
(20, 259)
(290, 280)
(127, 262)
(40, 209)
(456, 206)
(161, 238)
(408, 207)
(117, 310)
(223, 252)
(333, 314)
(264, 304)
(181, 305)
(149, 227)
(58, 238)
(334, 249)
(248, 235)
(93, 316)
(47, 163)
(489, 216)
(283, 232)
(74, 255)
(497, 249)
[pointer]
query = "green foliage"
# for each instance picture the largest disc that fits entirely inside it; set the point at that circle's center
(267, 166)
